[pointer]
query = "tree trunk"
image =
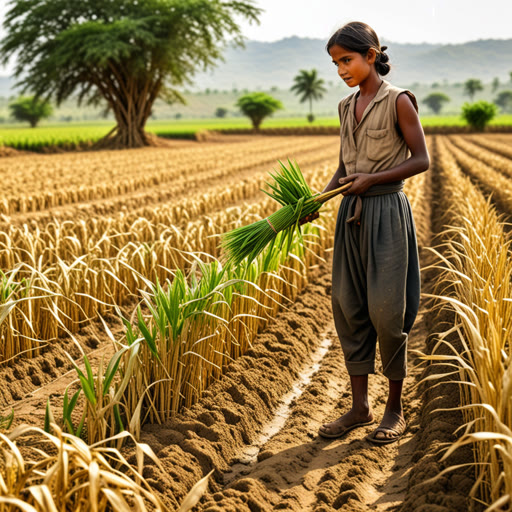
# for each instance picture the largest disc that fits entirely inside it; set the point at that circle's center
(131, 102)
(129, 133)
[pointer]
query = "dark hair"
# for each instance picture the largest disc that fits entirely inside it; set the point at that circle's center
(359, 37)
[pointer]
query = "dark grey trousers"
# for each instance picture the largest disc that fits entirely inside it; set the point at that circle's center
(375, 283)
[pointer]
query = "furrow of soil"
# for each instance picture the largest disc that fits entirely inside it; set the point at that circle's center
(296, 469)
(27, 383)
(233, 412)
(300, 471)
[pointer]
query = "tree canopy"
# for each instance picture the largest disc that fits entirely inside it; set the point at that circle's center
(123, 52)
(258, 105)
(472, 86)
(30, 109)
(310, 87)
(435, 101)
(504, 101)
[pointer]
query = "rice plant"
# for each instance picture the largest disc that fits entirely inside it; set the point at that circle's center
(477, 265)
(44, 472)
(291, 191)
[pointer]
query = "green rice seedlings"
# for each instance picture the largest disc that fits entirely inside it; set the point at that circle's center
(293, 193)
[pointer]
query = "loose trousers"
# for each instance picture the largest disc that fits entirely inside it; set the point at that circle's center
(375, 283)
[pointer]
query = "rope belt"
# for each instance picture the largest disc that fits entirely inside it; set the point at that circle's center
(376, 190)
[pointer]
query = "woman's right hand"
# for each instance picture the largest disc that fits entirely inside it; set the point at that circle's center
(309, 218)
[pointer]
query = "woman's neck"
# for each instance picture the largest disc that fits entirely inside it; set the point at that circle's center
(369, 88)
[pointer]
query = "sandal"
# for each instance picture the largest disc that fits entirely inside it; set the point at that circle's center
(344, 430)
(396, 432)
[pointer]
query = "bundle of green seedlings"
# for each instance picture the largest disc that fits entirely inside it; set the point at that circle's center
(294, 194)
(476, 285)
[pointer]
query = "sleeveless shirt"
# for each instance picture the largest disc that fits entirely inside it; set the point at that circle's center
(375, 143)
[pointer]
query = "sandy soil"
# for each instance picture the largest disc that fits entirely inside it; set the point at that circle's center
(257, 426)
(295, 469)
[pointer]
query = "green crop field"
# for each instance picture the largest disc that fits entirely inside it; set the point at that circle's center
(73, 135)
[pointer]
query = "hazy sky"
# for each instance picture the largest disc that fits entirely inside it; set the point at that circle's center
(405, 21)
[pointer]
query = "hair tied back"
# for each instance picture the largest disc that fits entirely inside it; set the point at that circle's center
(359, 37)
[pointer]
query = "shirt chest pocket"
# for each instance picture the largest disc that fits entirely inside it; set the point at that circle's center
(378, 143)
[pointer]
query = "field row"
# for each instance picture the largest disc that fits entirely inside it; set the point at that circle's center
(477, 287)
(111, 176)
(479, 161)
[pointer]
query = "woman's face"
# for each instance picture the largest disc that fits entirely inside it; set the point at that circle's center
(353, 68)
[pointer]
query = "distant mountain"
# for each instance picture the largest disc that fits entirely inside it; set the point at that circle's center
(263, 65)
(271, 67)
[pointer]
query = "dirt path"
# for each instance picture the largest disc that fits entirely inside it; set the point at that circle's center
(298, 470)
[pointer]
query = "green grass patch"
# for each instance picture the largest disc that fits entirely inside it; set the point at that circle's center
(74, 135)
(503, 119)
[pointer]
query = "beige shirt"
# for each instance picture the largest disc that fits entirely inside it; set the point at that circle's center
(375, 144)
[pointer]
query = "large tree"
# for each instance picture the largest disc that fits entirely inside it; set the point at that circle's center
(310, 87)
(125, 53)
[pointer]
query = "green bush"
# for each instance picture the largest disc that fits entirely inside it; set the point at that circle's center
(258, 105)
(478, 114)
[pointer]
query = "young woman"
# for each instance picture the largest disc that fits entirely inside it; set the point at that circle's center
(375, 276)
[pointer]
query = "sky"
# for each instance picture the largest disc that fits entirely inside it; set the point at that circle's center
(402, 21)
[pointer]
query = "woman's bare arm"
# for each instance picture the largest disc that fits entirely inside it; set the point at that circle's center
(335, 180)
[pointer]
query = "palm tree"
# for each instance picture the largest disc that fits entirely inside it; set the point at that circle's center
(310, 87)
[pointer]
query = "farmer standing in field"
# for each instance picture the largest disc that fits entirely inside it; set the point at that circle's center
(375, 275)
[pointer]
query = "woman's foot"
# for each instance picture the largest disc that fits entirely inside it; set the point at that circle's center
(349, 421)
(391, 428)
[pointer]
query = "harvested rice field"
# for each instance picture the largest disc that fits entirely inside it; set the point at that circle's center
(121, 326)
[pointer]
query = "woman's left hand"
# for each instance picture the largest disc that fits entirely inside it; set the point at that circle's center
(361, 182)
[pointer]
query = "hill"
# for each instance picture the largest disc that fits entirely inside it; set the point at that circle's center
(271, 67)
(263, 65)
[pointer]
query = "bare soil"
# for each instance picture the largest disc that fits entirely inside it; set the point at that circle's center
(295, 469)
(257, 426)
